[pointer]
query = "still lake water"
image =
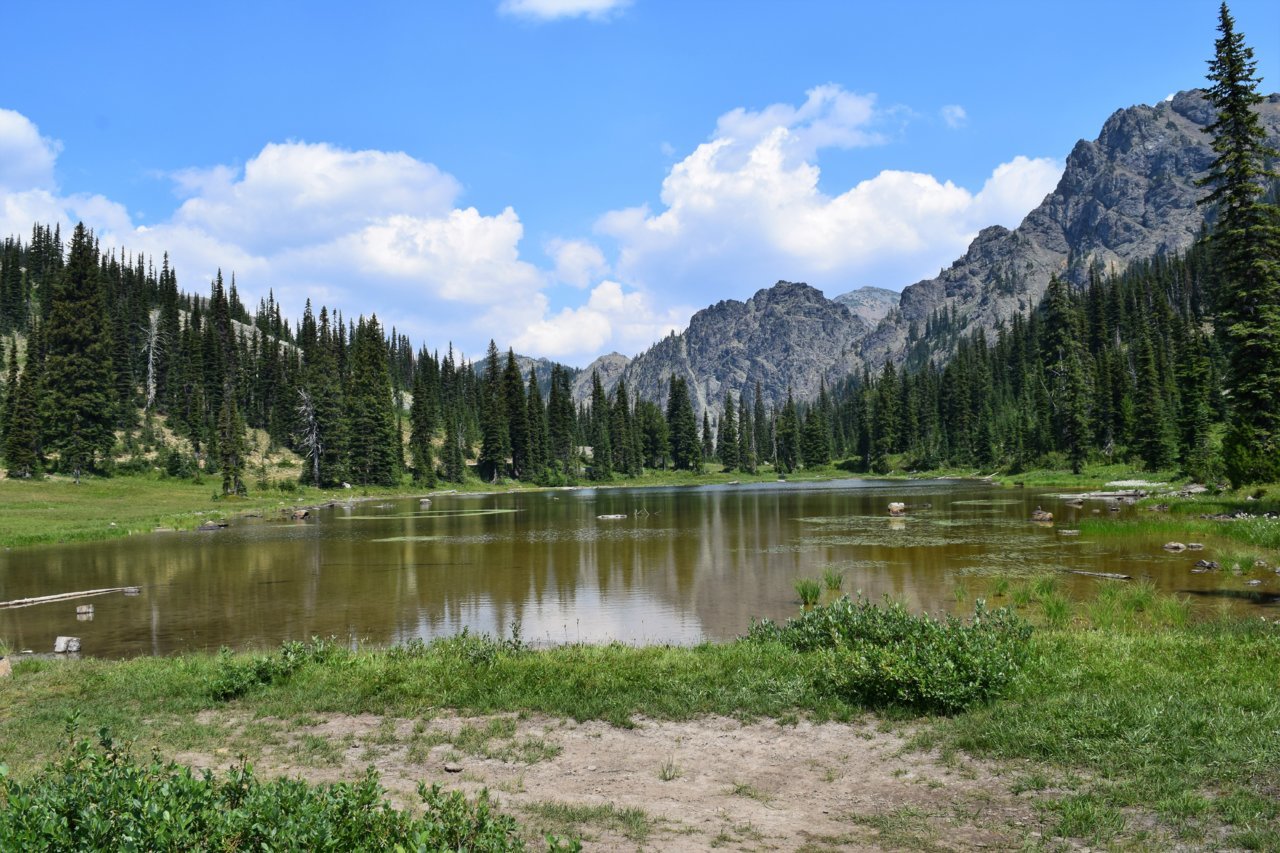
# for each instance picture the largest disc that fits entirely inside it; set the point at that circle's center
(684, 565)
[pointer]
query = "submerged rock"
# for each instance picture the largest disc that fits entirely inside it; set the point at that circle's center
(1174, 546)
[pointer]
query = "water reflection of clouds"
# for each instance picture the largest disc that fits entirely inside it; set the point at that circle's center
(589, 616)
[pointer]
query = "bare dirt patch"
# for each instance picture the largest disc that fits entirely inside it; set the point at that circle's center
(704, 784)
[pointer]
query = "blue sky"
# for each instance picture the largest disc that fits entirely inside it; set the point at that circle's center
(568, 176)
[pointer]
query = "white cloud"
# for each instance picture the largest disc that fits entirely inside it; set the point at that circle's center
(830, 117)
(578, 262)
(954, 116)
(550, 10)
(375, 231)
(612, 318)
(26, 157)
(745, 209)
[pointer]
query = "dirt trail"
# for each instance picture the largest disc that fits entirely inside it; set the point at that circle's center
(704, 784)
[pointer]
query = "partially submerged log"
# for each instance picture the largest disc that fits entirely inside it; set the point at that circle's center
(1110, 576)
(62, 596)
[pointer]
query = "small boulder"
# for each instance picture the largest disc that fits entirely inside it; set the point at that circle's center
(1041, 515)
(1259, 564)
(896, 509)
(300, 514)
(452, 767)
(1174, 546)
(1206, 564)
(6, 669)
(66, 645)
(1069, 532)
(1195, 546)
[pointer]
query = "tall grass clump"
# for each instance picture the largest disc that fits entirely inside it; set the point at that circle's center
(884, 656)
(809, 591)
(102, 798)
(832, 579)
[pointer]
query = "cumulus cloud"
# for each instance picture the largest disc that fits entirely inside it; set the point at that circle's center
(550, 10)
(361, 231)
(954, 116)
(745, 209)
(26, 157)
(613, 318)
(377, 231)
(830, 117)
(578, 262)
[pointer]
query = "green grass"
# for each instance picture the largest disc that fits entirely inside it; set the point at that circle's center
(1180, 721)
(1128, 705)
(808, 590)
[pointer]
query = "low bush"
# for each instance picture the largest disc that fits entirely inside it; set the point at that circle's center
(103, 799)
(884, 656)
(236, 675)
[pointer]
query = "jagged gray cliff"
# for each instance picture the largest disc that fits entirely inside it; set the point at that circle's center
(871, 304)
(1127, 195)
(786, 336)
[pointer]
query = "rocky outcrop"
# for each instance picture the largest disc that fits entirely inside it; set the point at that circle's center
(610, 367)
(870, 304)
(1127, 195)
(785, 336)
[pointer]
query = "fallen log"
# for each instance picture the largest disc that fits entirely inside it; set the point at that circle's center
(1110, 576)
(62, 596)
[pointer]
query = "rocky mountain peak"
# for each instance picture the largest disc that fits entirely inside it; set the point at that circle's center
(785, 336)
(1127, 195)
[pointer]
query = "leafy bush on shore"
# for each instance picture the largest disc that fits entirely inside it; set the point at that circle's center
(103, 799)
(883, 656)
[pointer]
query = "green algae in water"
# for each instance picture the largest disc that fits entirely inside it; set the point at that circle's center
(408, 539)
(453, 513)
(987, 502)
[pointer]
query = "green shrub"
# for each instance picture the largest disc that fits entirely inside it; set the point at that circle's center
(883, 656)
(237, 675)
(103, 799)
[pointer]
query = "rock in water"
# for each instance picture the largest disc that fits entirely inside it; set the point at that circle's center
(897, 509)
(1174, 546)
(66, 645)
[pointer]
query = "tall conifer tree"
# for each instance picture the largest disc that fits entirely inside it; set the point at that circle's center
(77, 400)
(1246, 242)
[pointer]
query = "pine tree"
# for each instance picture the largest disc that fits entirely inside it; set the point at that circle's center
(746, 450)
(727, 437)
(601, 446)
(682, 425)
(496, 441)
(517, 416)
(77, 404)
(1066, 379)
(231, 446)
(1246, 243)
(373, 445)
(537, 418)
(422, 422)
(22, 423)
(761, 438)
(788, 436)
(815, 441)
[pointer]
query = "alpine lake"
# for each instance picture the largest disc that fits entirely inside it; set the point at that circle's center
(675, 565)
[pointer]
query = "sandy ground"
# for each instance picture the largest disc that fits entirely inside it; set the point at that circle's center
(710, 783)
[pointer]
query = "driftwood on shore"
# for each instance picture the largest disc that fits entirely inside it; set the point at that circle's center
(62, 596)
